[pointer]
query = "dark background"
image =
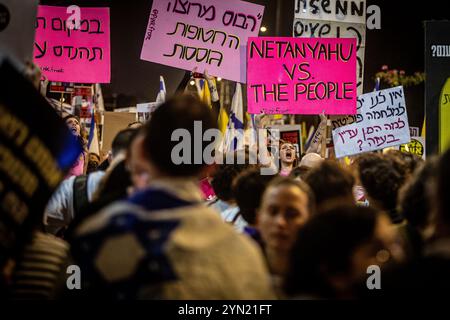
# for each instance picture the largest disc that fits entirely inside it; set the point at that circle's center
(399, 44)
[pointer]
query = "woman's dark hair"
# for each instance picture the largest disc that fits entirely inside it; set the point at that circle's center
(324, 248)
(381, 181)
(180, 112)
(83, 134)
(414, 203)
(330, 181)
(405, 163)
(122, 140)
(223, 178)
(69, 116)
(248, 189)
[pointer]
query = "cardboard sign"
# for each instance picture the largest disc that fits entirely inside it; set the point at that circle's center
(289, 133)
(73, 55)
(17, 28)
(301, 75)
(334, 19)
(382, 122)
(144, 110)
(437, 85)
(36, 151)
(208, 34)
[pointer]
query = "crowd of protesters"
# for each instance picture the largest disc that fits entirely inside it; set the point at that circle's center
(138, 226)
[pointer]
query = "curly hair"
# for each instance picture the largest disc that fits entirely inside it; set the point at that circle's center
(413, 200)
(382, 181)
(330, 181)
(248, 189)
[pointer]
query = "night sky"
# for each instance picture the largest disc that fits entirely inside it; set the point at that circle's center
(399, 44)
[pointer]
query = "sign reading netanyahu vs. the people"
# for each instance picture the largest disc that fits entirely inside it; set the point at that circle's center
(301, 75)
(69, 53)
(207, 34)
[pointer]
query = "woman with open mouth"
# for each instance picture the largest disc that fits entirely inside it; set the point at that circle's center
(288, 158)
(77, 129)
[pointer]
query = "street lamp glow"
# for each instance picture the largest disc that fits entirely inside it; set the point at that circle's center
(263, 29)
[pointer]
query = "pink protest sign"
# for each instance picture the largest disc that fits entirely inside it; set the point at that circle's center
(208, 34)
(78, 55)
(301, 75)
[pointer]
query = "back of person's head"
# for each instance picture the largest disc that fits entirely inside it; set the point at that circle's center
(248, 189)
(443, 191)
(180, 114)
(382, 182)
(414, 203)
(324, 250)
(404, 163)
(330, 182)
(299, 172)
(122, 141)
(223, 178)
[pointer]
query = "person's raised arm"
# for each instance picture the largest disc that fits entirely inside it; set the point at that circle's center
(320, 133)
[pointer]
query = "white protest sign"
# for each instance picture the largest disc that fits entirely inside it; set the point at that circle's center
(144, 110)
(351, 11)
(382, 122)
(17, 28)
(333, 19)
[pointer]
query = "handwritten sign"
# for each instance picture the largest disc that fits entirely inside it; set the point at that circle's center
(288, 133)
(208, 34)
(301, 76)
(352, 11)
(144, 110)
(382, 122)
(36, 151)
(73, 55)
(334, 19)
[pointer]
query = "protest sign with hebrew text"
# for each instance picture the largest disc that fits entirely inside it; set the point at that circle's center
(208, 34)
(301, 75)
(73, 55)
(382, 122)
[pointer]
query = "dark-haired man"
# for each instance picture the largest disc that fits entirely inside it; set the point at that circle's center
(163, 242)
